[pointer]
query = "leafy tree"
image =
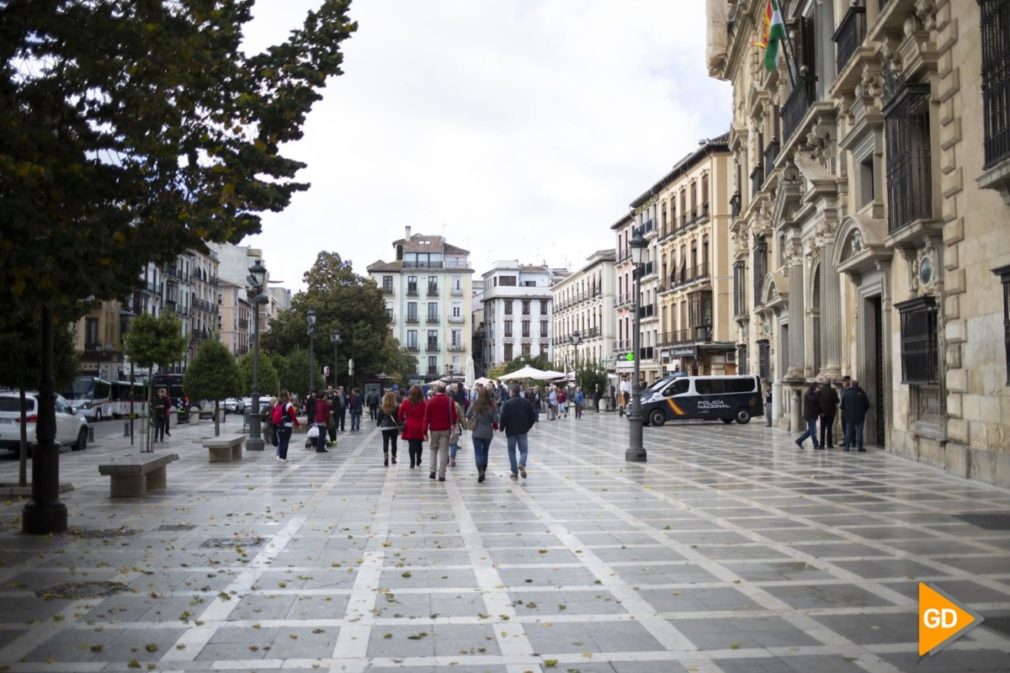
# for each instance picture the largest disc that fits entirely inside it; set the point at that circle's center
(344, 302)
(146, 126)
(399, 363)
(590, 375)
(154, 341)
(293, 372)
(267, 379)
(212, 375)
(21, 365)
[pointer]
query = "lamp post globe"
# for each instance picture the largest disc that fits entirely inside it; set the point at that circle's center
(636, 451)
(257, 281)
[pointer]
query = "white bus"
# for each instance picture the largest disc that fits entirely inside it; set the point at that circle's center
(96, 398)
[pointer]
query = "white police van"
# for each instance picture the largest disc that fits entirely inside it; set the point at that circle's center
(727, 398)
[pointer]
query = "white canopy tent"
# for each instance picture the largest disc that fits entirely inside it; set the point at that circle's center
(526, 372)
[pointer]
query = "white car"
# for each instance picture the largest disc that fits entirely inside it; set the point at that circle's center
(71, 427)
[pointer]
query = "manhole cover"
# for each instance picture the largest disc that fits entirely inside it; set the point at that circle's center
(987, 520)
(176, 527)
(76, 590)
(225, 542)
(101, 533)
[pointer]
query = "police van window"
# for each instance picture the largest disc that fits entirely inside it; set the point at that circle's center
(678, 387)
(709, 386)
(739, 385)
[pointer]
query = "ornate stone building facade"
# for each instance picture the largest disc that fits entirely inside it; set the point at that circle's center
(869, 237)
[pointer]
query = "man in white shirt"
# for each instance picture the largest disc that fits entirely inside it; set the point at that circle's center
(625, 388)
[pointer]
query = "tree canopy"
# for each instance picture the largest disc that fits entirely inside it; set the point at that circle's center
(344, 302)
(213, 373)
(145, 126)
(155, 341)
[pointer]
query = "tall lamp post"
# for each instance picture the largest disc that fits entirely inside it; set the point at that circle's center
(636, 452)
(257, 280)
(335, 340)
(312, 356)
(575, 339)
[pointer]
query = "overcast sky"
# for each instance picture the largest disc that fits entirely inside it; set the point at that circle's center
(518, 129)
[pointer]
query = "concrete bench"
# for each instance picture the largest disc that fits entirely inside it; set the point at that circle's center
(225, 448)
(134, 475)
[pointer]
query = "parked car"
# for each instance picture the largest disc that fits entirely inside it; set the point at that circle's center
(71, 427)
(234, 405)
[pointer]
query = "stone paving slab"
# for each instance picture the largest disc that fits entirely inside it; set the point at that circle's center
(728, 551)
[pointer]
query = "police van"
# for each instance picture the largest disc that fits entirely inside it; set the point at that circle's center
(727, 398)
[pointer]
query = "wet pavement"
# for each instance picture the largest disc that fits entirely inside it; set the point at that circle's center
(728, 551)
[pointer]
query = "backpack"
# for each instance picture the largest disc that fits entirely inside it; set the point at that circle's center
(278, 414)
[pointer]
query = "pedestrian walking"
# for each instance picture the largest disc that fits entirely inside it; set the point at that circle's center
(811, 411)
(829, 407)
(162, 410)
(411, 415)
(341, 408)
(768, 403)
(855, 404)
(322, 420)
(389, 425)
(597, 396)
(483, 418)
(456, 432)
(286, 419)
(372, 400)
(625, 395)
(439, 417)
(517, 417)
(355, 407)
(552, 404)
(580, 399)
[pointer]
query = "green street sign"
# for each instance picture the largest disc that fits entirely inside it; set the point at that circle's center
(629, 357)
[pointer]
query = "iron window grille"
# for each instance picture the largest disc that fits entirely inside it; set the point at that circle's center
(850, 34)
(909, 175)
(919, 354)
(1004, 274)
(995, 21)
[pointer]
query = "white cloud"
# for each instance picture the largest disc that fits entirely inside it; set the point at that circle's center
(518, 129)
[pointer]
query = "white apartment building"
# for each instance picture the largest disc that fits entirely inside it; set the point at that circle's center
(518, 316)
(584, 323)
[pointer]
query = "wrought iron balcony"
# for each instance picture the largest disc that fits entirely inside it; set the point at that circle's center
(433, 290)
(432, 347)
(850, 34)
(411, 320)
(799, 101)
(909, 170)
(770, 155)
(996, 79)
(757, 179)
(412, 291)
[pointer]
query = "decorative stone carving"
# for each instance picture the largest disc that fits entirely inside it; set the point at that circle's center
(925, 12)
(892, 69)
(790, 174)
(871, 82)
(818, 144)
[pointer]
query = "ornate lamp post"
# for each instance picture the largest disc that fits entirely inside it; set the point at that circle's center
(257, 280)
(335, 340)
(575, 339)
(312, 355)
(636, 452)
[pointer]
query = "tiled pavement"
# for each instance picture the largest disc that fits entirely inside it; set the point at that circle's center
(729, 551)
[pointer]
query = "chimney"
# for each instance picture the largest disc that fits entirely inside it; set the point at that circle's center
(407, 234)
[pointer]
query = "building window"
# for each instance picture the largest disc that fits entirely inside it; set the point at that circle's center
(432, 339)
(909, 176)
(508, 352)
(739, 289)
(526, 350)
(456, 337)
(996, 79)
(387, 284)
(741, 362)
(526, 306)
(543, 307)
(432, 364)
(543, 328)
(432, 286)
(508, 307)
(1004, 275)
(508, 328)
(526, 328)
(432, 311)
(760, 266)
(507, 281)
(412, 339)
(457, 310)
(919, 360)
(412, 286)
(411, 311)
(91, 334)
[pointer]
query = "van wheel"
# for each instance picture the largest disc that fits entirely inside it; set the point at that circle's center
(727, 421)
(743, 417)
(98, 415)
(82, 440)
(657, 417)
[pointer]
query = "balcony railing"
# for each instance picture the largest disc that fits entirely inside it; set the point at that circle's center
(799, 101)
(411, 320)
(387, 289)
(771, 153)
(757, 178)
(701, 271)
(996, 79)
(433, 290)
(432, 319)
(647, 311)
(850, 34)
(412, 291)
(909, 172)
(413, 348)
(456, 348)
(432, 347)
(432, 371)
(456, 292)
(702, 334)
(456, 319)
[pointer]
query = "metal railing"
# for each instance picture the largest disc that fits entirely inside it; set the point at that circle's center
(850, 34)
(799, 101)
(996, 79)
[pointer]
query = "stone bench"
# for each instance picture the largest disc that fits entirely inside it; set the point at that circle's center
(225, 449)
(134, 475)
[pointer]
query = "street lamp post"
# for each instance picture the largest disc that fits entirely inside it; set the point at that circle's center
(257, 281)
(575, 339)
(312, 356)
(335, 340)
(636, 452)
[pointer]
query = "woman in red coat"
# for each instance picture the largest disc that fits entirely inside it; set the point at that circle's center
(411, 415)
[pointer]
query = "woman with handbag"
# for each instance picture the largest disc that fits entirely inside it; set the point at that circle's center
(411, 415)
(482, 419)
(457, 430)
(389, 425)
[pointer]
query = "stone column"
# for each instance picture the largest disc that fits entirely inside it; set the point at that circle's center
(796, 317)
(831, 316)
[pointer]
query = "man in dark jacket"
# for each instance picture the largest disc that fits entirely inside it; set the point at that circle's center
(517, 417)
(811, 410)
(855, 404)
(340, 408)
(829, 406)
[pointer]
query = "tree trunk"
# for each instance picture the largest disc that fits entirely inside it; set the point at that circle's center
(23, 461)
(217, 419)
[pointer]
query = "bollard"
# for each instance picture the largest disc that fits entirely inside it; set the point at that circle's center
(91, 435)
(126, 429)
